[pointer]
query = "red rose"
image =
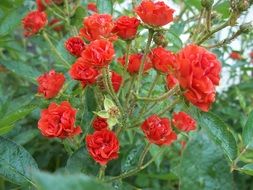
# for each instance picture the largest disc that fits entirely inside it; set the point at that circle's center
(33, 22)
(86, 74)
(50, 84)
(103, 146)
(126, 27)
(171, 81)
(134, 63)
(99, 124)
(92, 7)
(183, 121)
(58, 121)
(98, 53)
(154, 14)
(75, 46)
(98, 26)
(56, 25)
(162, 59)
(116, 81)
(235, 55)
(158, 130)
(198, 72)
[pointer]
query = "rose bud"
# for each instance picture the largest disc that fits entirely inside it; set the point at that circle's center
(154, 13)
(116, 81)
(158, 130)
(160, 39)
(98, 26)
(99, 124)
(126, 27)
(103, 146)
(183, 122)
(33, 22)
(98, 53)
(134, 63)
(50, 84)
(235, 55)
(92, 7)
(198, 72)
(58, 121)
(41, 4)
(162, 59)
(84, 73)
(75, 46)
(171, 81)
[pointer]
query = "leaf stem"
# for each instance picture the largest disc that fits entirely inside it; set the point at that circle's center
(55, 50)
(101, 172)
(150, 36)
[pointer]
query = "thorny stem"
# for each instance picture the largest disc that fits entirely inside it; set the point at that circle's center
(208, 19)
(129, 93)
(150, 36)
(101, 172)
(205, 37)
(144, 153)
(137, 169)
(150, 92)
(128, 47)
(166, 95)
(55, 50)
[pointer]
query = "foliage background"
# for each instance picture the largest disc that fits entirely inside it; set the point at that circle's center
(205, 163)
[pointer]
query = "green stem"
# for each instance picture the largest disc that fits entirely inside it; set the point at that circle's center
(234, 163)
(136, 170)
(128, 47)
(208, 19)
(55, 50)
(166, 95)
(129, 93)
(169, 107)
(144, 153)
(150, 36)
(101, 172)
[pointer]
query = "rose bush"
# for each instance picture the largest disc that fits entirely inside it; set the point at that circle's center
(125, 95)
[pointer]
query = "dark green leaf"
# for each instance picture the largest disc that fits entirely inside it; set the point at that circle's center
(220, 133)
(22, 70)
(80, 161)
(105, 6)
(46, 181)
(203, 166)
(16, 164)
(247, 133)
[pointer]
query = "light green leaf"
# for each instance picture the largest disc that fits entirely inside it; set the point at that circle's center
(105, 6)
(112, 121)
(16, 164)
(247, 169)
(5, 129)
(220, 133)
(247, 132)
(46, 181)
(102, 114)
(108, 104)
(203, 166)
(11, 118)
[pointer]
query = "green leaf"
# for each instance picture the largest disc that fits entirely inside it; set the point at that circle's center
(203, 166)
(15, 116)
(105, 6)
(46, 181)
(22, 70)
(194, 3)
(5, 129)
(108, 104)
(247, 169)
(247, 132)
(174, 40)
(220, 133)
(81, 162)
(16, 164)
(102, 114)
(77, 18)
(223, 9)
(131, 159)
(26, 136)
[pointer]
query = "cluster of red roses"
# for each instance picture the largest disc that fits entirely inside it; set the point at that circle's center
(194, 68)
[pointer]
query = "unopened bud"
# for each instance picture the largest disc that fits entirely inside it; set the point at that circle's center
(246, 27)
(160, 40)
(207, 3)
